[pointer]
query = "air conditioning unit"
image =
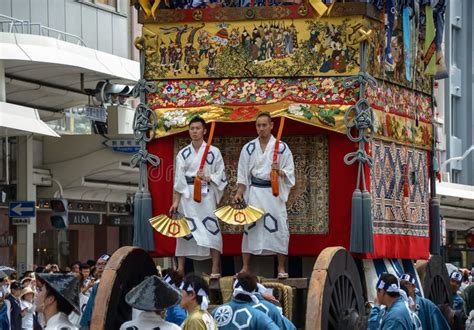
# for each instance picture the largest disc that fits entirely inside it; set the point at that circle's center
(120, 120)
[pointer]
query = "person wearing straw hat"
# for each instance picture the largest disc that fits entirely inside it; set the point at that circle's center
(455, 279)
(192, 169)
(428, 313)
(390, 310)
(244, 310)
(27, 308)
(57, 297)
(195, 300)
(151, 296)
(262, 168)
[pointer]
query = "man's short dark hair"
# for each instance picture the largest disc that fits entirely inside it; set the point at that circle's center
(197, 283)
(84, 266)
(198, 119)
(175, 276)
(248, 281)
(264, 114)
(390, 279)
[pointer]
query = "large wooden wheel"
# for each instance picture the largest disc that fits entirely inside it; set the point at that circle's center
(434, 278)
(335, 290)
(127, 267)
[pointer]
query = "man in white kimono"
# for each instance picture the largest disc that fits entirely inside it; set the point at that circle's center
(205, 240)
(269, 235)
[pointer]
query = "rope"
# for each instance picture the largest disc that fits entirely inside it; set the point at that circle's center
(285, 297)
(145, 123)
(359, 118)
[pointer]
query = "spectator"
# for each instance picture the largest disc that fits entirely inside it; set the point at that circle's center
(27, 308)
(76, 267)
(455, 279)
(15, 309)
(4, 318)
(87, 313)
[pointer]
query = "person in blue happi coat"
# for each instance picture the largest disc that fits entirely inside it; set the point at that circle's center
(390, 312)
(428, 313)
(239, 313)
(175, 314)
(271, 310)
(455, 279)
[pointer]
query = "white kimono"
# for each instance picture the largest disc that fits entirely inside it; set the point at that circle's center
(206, 232)
(270, 234)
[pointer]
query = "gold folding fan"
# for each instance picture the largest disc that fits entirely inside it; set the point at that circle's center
(176, 226)
(239, 214)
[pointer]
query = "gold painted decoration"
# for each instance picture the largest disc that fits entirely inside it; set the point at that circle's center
(286, 48)
(239, 215)
(177, 226)
(388, 127)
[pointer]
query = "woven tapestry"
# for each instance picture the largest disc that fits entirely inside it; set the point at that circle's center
(393, 211)
(308, 201)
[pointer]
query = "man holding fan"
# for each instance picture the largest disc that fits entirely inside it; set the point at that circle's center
(199, 182)
(265, 177)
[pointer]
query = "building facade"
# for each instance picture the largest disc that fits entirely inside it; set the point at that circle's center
(54, 53)
(455, 121)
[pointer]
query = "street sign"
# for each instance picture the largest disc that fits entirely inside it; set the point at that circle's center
(129, 146)
(119, 220)
(24, 209)
(20, 221)
(79, 218)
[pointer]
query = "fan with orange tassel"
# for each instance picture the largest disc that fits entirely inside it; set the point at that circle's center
(198, 181)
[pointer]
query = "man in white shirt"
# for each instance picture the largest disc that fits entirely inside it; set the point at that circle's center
(57, 297)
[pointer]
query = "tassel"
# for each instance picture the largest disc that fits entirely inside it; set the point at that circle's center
(435, 240)
(368, 241)
(356, 224)
(147, 230)
(197, 189)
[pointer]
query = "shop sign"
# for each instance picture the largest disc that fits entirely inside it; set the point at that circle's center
(119, 220)
(20, 221)
(129, 146)
(78, 218)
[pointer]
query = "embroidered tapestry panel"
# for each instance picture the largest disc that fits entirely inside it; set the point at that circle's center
(394, 213)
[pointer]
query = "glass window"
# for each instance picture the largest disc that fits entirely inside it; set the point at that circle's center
(111, 3)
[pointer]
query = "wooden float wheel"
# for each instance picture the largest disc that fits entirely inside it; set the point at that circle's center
(126, 268)
(434, 278)
(334, 290)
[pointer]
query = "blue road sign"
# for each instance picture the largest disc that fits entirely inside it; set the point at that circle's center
(24, 209)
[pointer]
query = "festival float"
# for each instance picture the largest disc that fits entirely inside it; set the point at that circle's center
(354, 83)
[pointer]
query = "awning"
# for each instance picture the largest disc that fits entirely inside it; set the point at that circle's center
(18, 120)
(457, 205)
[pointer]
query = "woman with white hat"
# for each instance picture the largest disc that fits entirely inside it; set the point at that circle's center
(27, 308)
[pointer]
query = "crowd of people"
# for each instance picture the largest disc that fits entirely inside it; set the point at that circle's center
(50, 296)
(400, 305)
